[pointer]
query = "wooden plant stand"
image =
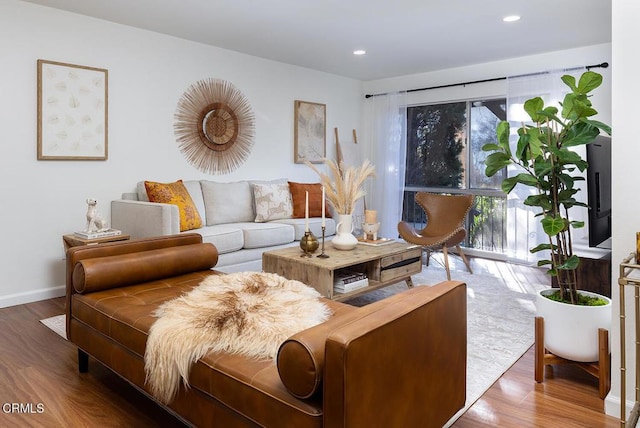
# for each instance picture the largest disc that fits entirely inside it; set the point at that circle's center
(600, 369)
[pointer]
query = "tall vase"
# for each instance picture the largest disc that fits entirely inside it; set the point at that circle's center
(344, 239)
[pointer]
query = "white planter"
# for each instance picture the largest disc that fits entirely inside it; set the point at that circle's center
(571, 331)
(344, 239)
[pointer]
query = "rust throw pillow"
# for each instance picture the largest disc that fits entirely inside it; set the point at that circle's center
(315, 199)
(176, 194)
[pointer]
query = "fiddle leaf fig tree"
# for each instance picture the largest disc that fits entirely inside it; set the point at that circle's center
(544, 153)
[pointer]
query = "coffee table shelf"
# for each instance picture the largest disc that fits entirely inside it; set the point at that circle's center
(384, 265)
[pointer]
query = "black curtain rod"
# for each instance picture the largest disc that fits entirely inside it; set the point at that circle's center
(588, 67)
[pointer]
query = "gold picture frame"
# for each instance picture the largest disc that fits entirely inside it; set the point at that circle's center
(310, 132)
(72, 112)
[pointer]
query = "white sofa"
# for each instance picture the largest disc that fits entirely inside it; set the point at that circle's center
(228, 215)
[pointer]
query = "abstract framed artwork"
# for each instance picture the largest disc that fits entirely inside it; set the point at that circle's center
(310, 132)
(72, 112)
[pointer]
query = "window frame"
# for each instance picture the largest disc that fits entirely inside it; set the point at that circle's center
(467, 153)
(498, 253)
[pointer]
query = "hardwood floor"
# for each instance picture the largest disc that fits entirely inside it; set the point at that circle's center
(38, 370)
(568, 397)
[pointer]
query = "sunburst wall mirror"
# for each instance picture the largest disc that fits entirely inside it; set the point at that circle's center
(214, 126)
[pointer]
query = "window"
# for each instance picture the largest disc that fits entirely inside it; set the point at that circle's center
(444, 154)
(485, 116)
(435, 145)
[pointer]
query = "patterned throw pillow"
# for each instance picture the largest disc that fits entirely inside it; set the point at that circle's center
(273, 201)
(176, 194)
(315, 199)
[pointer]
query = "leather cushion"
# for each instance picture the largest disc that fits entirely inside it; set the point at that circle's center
(298, 196)
(102, 273)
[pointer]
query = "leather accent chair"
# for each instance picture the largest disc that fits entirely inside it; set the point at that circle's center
(445, 225)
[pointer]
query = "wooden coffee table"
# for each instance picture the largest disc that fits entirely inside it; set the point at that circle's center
(384, 265)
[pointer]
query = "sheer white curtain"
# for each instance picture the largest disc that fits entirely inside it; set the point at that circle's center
(523, 229)
(386, 126)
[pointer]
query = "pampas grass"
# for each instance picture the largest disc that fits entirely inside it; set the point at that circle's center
(343, 188)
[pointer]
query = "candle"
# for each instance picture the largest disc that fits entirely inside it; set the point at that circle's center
(306, 211)
(370, 216)
(323, 224)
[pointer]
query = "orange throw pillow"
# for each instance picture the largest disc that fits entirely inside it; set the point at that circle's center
(315, 199)
(176, 194)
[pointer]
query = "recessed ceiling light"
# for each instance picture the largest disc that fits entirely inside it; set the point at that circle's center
(359, 52)
(511, 18)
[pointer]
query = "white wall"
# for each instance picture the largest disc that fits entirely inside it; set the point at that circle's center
(148, 72)
(626, 204)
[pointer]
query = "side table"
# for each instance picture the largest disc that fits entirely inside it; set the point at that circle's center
(71, 240)
(629, 276)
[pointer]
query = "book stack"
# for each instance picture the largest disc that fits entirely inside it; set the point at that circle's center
(346, 281)
(98, 234)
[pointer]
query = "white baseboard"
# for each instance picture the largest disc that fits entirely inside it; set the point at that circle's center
(31, 296)
(612, 405)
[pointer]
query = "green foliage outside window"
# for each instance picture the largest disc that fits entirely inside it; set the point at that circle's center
(435, 143)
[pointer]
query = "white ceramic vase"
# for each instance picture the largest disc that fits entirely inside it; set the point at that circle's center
(571, 331)
(344, 239)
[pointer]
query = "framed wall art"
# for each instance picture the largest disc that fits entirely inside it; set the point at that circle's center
(72, 112)
(310, 132)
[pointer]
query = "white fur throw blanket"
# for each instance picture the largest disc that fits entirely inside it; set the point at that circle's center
(243, 313)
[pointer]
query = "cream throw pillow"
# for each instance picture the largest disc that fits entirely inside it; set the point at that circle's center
(227, 202)
(272, 201)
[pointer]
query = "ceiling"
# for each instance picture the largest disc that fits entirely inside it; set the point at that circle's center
(400, 37)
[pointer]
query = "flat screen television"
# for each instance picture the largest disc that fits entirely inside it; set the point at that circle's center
(599, 189)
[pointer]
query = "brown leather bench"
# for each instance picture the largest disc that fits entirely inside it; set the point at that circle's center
(399, 362)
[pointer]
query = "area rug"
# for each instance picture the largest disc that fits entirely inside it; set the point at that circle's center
(500, 316)
(57, 324)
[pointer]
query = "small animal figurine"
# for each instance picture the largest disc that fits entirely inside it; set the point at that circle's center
(95, 222)
(370, 231)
